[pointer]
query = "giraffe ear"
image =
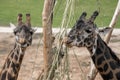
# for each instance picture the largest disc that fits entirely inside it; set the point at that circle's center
(95, 14)
(83, 15)
(32, 30)
(12, 26)
(104, 31)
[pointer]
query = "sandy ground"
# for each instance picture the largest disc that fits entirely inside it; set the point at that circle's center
(33, 60)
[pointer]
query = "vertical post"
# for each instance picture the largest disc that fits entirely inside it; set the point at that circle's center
(47, 15)
(113, 22)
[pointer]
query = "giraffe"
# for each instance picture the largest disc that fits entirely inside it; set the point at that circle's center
(86, 34)
(23, 38)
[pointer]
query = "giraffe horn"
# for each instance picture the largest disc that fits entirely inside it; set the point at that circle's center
(19, 19)
(82, 17)
(28, 20)
(95, 14)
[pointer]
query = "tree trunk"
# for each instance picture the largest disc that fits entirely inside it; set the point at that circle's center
(47, 16)
(93, 71)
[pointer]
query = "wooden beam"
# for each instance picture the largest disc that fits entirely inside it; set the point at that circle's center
(113, 22)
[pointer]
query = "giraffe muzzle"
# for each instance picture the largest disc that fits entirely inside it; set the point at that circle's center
(67, 42)
(21, 40)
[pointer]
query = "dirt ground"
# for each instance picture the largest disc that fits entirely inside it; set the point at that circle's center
(33, 60)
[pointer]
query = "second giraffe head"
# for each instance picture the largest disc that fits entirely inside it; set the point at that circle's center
(84, 32)
(23, 32)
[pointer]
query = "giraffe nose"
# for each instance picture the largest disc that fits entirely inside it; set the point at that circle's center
(64, 40)
(67, 42)
(21, 40)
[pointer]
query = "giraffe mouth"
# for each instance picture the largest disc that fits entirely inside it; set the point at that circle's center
(24, 44)
(71, 44)
(67, 42)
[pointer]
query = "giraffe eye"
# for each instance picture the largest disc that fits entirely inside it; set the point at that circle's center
(88, 30)
(15, 31)
(71, 36)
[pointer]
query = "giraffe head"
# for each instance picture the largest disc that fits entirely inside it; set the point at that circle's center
(84, 32)
(23, 32)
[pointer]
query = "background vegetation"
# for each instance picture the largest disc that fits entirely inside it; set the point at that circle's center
(10, 8)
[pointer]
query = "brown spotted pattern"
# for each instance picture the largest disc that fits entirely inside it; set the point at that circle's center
(86, 34)
(23, 35)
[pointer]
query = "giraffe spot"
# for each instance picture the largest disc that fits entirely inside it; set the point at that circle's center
(108, 76)
(113, 65)
(16, 57)
(86, 40)
(100, 60)
(12, 55)
(4, 75)
(89, 43)
(17, 52)
(98, 42)
(21, 58)
(10, 77)
(100, 69)
(15, 67)
(114, 57)
(98, 51)
(78, 39)
(8, 63)
(93, 58)
(107, 56)
(105, 67)
(118, 75)
(101, 44)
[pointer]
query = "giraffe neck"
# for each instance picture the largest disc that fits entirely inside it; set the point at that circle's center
(12, 64)
(105, 60)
